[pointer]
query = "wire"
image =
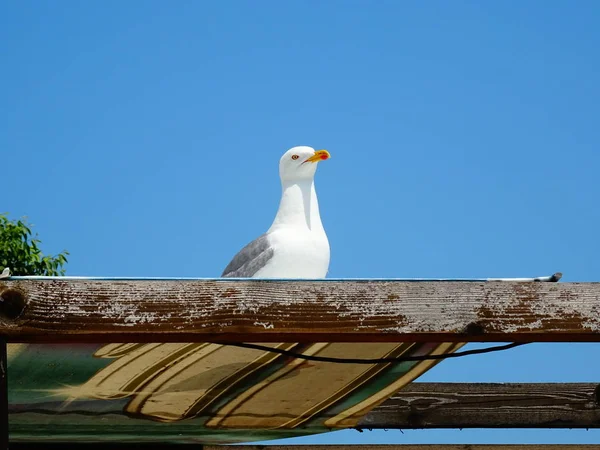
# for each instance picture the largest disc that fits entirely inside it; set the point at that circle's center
(293, 354)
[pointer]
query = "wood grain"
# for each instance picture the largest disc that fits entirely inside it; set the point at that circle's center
(164, 446)
(489, 405)
(414, 447)
(297, 311)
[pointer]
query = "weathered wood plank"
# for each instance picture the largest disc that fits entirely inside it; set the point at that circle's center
(132, 446)
(489, 405)
(416, 447)
(303, 311)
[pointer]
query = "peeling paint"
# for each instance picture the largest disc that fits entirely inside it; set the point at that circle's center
(343, 307)
(265, 325)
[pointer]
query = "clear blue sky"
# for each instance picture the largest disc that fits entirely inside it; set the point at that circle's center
(144, 137)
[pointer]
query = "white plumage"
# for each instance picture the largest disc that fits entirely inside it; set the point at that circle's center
(296, 245)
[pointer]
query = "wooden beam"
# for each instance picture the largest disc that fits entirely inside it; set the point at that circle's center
(143, 446)
(414, 447)
(475, 405)
(297, 311)
(489, 405)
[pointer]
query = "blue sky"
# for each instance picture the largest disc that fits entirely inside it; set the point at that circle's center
(144, 137)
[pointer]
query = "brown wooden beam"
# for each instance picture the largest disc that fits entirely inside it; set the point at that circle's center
(481, 405)
(489, 405)
(297, 311)
(126, 446)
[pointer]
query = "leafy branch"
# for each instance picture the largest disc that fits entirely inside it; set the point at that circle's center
(19, 250)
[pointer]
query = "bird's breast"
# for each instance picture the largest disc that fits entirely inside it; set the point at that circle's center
(297, 253)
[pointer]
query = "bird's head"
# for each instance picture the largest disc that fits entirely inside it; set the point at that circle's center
(300, 163)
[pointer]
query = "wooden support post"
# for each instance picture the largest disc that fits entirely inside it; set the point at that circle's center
(3, 395)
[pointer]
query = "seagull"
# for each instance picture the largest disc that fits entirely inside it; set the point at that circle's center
(296, 245)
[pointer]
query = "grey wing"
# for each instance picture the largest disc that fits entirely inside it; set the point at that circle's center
(250, 259)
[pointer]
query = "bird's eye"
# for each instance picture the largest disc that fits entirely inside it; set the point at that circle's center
(295, 157)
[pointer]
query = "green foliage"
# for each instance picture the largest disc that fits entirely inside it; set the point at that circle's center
(20, 251)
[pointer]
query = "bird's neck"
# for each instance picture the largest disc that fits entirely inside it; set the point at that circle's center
(298, 207)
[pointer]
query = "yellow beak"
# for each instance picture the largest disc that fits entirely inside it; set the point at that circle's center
(320, 155)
